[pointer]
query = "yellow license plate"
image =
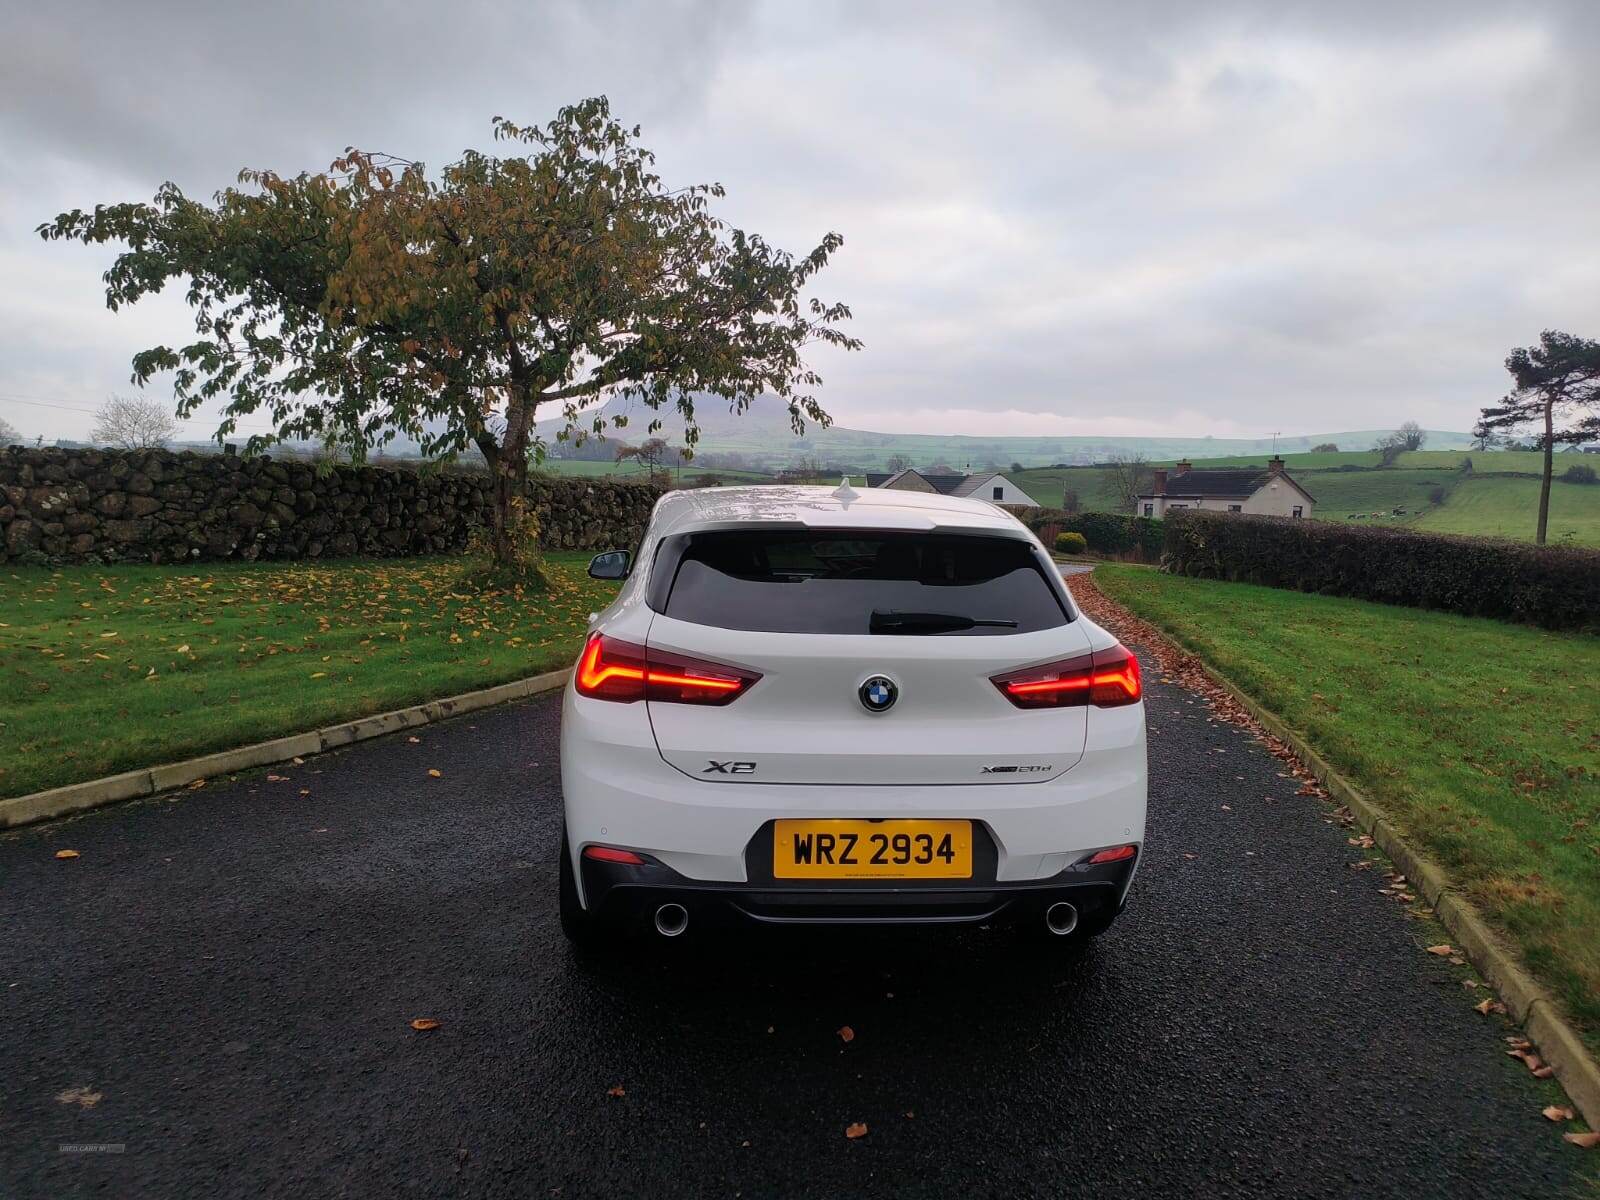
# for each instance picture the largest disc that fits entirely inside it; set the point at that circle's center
(872, 850)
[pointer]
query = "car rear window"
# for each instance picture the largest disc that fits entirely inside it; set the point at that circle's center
(806, 581)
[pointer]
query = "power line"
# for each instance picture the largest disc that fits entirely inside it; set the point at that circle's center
(45, 404)
(35, 402)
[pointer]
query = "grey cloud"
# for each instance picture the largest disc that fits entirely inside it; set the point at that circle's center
(1281, 214)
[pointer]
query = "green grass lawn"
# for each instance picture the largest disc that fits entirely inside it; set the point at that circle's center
(112, 668)
(1510, 508)
(1480, 740)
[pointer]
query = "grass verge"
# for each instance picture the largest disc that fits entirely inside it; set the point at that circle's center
(112, 668)
(1480, 740)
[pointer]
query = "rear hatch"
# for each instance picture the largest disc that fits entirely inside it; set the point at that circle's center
(818, 614)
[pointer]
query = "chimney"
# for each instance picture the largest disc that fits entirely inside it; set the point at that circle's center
(1275, 465)
(1160, 474)
(1183, 464)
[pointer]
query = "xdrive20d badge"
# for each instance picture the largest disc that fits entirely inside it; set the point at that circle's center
(825, 707)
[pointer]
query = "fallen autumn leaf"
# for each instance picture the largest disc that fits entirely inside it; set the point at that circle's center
(66, 854)
(856, 1130)
(423, 1024)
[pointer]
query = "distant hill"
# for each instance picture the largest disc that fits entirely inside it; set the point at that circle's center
(762, 437)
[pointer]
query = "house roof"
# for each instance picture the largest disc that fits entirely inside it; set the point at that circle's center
(1222, 483)
(972, 483)
(1215, 482)
(947, 485)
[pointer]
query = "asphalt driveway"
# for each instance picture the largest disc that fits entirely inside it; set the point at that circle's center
(222, 984)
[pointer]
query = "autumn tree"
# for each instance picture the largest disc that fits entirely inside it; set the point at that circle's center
(1556, 388)
(133, 423)
(374, 300)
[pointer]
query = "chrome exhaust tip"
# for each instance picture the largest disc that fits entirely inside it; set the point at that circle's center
(673, 919)
(1061, 918)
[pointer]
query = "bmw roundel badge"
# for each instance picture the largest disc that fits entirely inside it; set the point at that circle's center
(878, 694)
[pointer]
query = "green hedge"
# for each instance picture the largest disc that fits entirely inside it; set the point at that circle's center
(1071, 542)
(1105, 533)
(1557, 587)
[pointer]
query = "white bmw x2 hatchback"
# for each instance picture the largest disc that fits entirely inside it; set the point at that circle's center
(814, 706)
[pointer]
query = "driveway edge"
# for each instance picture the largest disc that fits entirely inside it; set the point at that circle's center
(1545, 1024)
(147, 781)
(1558, 1042)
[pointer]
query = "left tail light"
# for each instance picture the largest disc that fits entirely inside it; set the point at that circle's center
(611, 669)
(1104, 679)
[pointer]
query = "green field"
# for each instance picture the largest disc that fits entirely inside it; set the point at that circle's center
(1510, 508)
(1526, 462)
(1342, 493)
(684, 476)
(1046, 484)
(112, 668)
(1480, 740)
(1476, 503)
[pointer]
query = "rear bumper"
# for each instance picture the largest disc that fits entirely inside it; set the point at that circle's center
(619, 792)
(627, 895)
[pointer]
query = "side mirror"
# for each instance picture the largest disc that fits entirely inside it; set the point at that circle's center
(613, 564)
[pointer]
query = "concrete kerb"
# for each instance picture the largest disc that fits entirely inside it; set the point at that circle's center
(148, 781)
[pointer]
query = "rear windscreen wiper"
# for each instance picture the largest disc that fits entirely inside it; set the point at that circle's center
(894, 621)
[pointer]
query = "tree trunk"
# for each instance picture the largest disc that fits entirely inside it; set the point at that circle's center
(509, 495)
(509, 467)
(510, 489)
(1549, 469)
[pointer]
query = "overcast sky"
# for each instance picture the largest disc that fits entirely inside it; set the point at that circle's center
(1119, 217)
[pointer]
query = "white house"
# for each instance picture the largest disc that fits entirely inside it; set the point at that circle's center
(989, 485)
(1270, 492)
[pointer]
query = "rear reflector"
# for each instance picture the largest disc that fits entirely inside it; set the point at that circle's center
(1106, 678)
(1115, 854)
(611, 669)
(607, 854)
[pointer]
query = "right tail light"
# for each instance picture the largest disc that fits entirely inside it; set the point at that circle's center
(1105, 679)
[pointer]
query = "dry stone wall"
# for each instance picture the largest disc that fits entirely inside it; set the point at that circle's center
(62, 506)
